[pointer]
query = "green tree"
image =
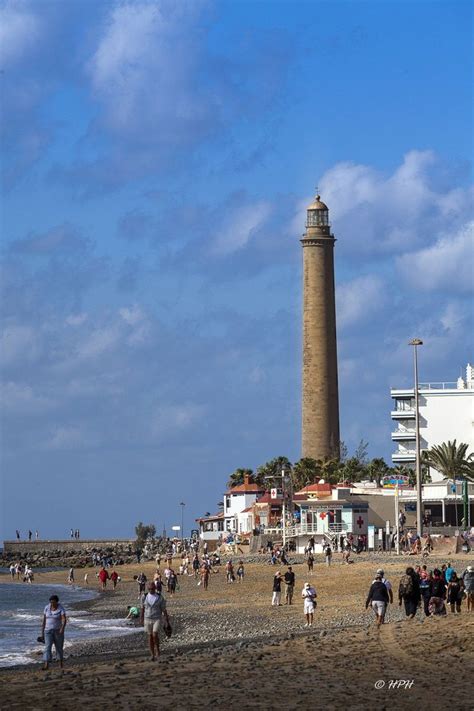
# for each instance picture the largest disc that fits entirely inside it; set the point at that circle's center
(377, 468)
(269, 474)
(305, 471)
(144, 531)
(237, 477)
(450, 459)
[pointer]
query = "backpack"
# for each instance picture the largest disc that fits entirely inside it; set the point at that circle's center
(406, 587)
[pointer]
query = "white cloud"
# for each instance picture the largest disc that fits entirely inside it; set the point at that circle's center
(76, 319)
(21, 399)
(132, 314)
(447, 264)
(359, 299)
(19, 32)
(143, 67)
(69, 438)
(19, 344)
(169, 419)
(98, 342)
(241, 224)
(375, 213)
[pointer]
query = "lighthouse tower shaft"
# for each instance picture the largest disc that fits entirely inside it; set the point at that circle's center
(320, 401)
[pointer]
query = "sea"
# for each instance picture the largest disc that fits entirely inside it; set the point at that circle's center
(21, 613)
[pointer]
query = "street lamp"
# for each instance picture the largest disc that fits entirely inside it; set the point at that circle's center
(415, 342)
(182, 504)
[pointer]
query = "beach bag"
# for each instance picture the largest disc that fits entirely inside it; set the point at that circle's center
(406, 586)
(167, 629)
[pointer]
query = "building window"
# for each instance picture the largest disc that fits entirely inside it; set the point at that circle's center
(220, 526)
(227, 502)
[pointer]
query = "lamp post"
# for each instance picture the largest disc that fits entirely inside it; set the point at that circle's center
(182, 504)
(415, 342)
(284, 505)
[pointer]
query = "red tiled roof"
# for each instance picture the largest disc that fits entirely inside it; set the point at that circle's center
(246, 488)
(316, 489)
(249, 508)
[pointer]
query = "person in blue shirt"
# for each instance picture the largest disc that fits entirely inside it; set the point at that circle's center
(448, 573)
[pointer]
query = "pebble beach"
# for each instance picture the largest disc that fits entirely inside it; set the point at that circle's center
(245, 654)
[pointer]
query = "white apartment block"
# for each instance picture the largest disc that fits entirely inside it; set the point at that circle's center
(446, 413)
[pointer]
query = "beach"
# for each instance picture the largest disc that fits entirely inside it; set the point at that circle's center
(230, 648)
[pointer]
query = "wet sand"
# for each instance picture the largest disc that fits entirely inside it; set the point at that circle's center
(232, 650)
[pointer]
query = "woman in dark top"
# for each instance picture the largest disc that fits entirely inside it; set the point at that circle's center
(438, 594)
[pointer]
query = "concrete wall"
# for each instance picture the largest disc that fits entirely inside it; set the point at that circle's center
(24, 547)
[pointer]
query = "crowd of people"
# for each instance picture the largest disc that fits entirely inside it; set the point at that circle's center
(431, 590)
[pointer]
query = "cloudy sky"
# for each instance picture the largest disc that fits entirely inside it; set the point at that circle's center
(157, 160)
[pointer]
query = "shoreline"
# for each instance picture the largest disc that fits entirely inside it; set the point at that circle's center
(189, 610)
(247, 654)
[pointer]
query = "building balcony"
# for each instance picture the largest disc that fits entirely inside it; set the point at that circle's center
(403, 457)
(404, 436)
(403, 414)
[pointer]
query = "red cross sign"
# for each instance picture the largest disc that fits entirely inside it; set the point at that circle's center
(322, 515)
(360, 521)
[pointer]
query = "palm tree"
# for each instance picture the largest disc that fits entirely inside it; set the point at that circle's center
(269, 474)
(305, 471)
(377, 468)
(450, 459)
(238, 476)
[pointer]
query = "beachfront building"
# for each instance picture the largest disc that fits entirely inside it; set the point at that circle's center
(446, 413)
(323, 512)
(211, 528)
(237, 500)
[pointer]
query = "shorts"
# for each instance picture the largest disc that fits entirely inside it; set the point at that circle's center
(379, 607)
(309, 607)
(152, 626)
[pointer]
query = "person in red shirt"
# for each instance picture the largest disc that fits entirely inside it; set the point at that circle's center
(103, 577)
(114, 576)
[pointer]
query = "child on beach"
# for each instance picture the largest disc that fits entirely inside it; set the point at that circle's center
(241, 571)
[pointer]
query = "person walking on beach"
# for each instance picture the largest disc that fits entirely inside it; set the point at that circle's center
(114, 576)
(152, 610)
(387, 584)
(230, 571)
(309, 596)
(70, 578)
(328, 555)
(310, 562)
(378, 599)
(141, 580)
(437, 604)
(276, 597)
(289, 578)
(103, 577)
(12, 570)
(454, 594)
(409, 592)
(241, 571)
(205, 576)
(52, 630)
(468, 582)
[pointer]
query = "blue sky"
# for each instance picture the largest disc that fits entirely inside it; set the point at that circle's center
(157, 161)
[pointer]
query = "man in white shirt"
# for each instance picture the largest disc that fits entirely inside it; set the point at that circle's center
(309, 596)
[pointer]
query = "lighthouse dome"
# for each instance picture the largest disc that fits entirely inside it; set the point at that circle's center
(317, 204)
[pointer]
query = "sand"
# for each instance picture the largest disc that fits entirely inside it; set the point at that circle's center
(230, 649)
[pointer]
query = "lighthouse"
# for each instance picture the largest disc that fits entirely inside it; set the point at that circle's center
(320, 393)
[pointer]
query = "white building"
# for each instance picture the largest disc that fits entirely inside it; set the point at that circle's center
(446, 414)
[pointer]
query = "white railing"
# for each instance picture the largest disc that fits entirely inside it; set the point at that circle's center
(438, 386)
(305, 529)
